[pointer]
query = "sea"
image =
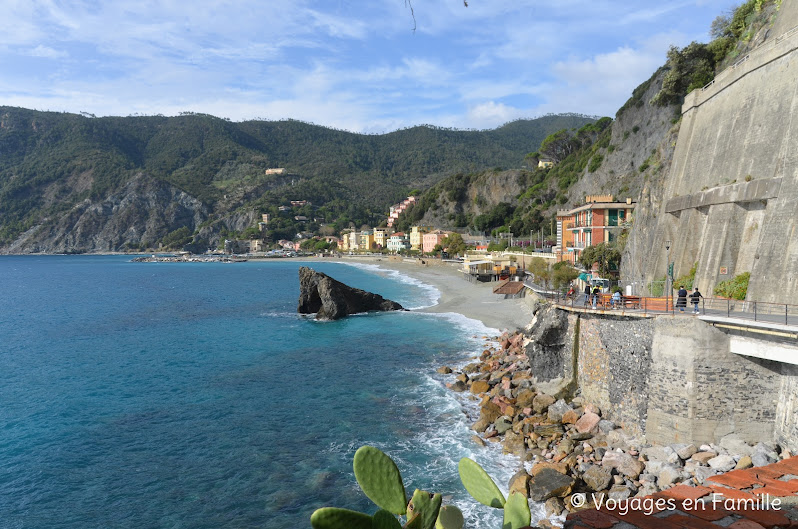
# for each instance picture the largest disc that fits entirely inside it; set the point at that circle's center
(192, 395)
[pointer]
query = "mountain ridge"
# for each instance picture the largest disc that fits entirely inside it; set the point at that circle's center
(52, 162)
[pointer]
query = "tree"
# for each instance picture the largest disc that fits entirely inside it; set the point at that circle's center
(721, 26)
(605, 254)
(454, 244)
(540, 269)
(563, 273)
(556, 147)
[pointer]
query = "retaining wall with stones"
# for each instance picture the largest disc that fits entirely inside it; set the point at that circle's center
(670, 379)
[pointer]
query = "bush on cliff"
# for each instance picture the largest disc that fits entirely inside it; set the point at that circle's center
(735, 288)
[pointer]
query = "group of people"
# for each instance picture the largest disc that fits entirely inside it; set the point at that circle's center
(592, 296)
(681, 299)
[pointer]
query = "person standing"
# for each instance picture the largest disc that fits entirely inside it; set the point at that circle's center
(587, 294)
(681, 301)
(596, 293)
(694, 297)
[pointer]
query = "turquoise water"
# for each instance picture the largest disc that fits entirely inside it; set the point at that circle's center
(150, 395)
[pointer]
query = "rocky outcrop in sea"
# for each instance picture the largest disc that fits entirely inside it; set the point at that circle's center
(329, 299)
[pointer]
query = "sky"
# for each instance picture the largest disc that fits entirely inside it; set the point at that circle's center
(360, 65)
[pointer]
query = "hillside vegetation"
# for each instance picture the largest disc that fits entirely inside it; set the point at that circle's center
(56, 165)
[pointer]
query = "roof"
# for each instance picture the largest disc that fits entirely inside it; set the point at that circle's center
(475, 263)
(747, 499)
(601, 205)
(509, 287)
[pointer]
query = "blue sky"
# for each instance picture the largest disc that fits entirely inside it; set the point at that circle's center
(350, 64)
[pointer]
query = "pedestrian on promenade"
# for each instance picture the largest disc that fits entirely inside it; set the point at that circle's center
(596, 292)
(587, 294)
(616, 299)
(694, 297)
(681, 301)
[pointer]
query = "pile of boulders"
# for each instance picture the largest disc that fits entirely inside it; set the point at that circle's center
(568, 446)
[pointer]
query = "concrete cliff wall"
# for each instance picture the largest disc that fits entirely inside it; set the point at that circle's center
(701, 392)
(670, 379)
(731, 198)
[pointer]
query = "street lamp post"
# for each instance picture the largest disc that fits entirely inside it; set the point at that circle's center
(667, 272)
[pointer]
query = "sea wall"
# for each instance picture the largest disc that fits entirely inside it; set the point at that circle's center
(701, 392)
(787, 408)
(730, 198)
(614, 366)
(669, 379)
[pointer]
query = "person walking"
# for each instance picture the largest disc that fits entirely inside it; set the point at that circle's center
(681, 301)
(587, 294)
(694, 297)
(596, 293)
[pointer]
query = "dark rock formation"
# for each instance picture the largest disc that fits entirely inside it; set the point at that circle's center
(549, 349)
(331, 300)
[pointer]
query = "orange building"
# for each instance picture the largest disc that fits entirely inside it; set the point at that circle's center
(600, 219)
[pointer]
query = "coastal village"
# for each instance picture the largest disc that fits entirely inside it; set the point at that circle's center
(643, 372)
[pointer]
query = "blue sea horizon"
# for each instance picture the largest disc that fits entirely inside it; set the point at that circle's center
(191, 395)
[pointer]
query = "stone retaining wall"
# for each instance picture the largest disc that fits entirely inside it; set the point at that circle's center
(671, 379)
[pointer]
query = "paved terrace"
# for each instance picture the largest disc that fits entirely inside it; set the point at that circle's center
(755, 498)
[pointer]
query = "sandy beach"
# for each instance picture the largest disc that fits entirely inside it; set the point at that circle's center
(473, 300)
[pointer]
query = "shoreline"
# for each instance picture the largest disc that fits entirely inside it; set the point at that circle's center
(475, 301)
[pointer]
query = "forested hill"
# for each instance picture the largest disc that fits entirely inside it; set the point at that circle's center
(60, 172)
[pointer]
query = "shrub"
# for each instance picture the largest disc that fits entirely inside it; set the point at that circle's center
(657, 287)
(595, 163)
(735, 288)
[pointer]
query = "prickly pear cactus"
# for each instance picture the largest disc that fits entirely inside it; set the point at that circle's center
(335, 518)
(385, 520)
(516, 512)
(479, 484)
(423, 509)
(449, 517)
(379, 477)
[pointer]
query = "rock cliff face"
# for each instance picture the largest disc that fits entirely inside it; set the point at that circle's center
(140, 212)
(331, 300)
(729, 202)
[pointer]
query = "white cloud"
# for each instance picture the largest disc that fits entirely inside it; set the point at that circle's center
(47, 52)
(491, 114)
(347, 63)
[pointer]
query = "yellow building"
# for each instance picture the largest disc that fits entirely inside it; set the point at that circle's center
(381, 236)
(366, 240)
(417, 236)
(344, 243)
(545, 164)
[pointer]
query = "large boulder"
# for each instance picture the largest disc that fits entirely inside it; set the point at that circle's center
(329, 299)
(549, 483)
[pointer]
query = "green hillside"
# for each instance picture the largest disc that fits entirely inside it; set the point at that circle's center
(52, 162)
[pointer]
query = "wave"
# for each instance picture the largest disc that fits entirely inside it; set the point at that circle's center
(431, 294)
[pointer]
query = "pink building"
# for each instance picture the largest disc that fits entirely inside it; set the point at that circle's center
(432, 239)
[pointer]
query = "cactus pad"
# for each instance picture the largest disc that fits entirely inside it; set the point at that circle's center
(479, 485)
(449, 517)
(516, 512)
(379, 477)
(335, 518)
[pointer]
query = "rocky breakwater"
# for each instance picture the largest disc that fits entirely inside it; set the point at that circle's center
(567, 445)
(329, 299)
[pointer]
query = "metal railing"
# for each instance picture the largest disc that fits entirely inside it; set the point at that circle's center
(767, 45)
(759, 311)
